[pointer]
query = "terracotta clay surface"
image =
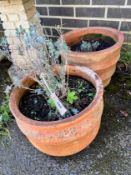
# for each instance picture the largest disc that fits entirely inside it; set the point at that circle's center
(104, 61)
(67, 136)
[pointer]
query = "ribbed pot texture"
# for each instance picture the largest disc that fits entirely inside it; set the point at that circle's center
(68, 136)
(103, 62)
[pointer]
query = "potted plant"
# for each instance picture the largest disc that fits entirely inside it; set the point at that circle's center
(95, 47)
(57, 107)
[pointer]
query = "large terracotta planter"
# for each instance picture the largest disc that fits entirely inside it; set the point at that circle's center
(104, 61)
(67, 136)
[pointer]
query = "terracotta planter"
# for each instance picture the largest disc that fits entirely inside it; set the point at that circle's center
(67, 136)
(104, 61)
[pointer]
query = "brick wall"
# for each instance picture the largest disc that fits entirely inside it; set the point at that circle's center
(14, 13)
(71, 14)
(1, 29)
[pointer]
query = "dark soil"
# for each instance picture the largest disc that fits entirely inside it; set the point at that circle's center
(103, 42)
(36, 107)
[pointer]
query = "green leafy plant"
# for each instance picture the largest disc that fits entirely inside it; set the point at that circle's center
(91, 95)
(3, 131)
(4, 117)
(71, 97)
(88, 46)
(80, 87)
(5, 111)
(51, 103)
(39, 54)
(126, 54)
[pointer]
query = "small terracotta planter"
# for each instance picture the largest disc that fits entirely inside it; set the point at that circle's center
(67, 136)
(104, 61)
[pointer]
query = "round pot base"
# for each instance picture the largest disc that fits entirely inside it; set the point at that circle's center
(68, 148)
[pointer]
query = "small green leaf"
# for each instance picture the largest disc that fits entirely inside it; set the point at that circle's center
(5, 111)
(71, 97)
(91, 94)
(51, 103)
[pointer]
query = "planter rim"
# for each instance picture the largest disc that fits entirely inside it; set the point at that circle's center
(100, 30)
(99, 94)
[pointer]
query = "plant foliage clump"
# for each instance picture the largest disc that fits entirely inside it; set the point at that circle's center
(4, 117)
(37, 56)
(88, 46)
(126, 54)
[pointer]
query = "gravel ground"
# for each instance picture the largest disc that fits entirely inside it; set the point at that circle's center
(109, 154)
